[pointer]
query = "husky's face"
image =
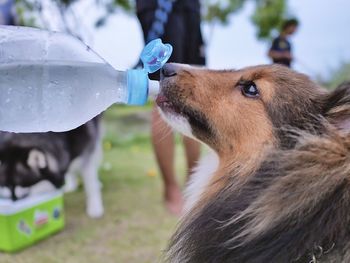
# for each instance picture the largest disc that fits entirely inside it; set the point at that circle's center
(25, 167)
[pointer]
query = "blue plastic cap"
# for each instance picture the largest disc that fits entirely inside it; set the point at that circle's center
(155, 55)
(137, 87)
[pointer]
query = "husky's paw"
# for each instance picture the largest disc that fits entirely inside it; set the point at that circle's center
(71, 183)
(95, 209)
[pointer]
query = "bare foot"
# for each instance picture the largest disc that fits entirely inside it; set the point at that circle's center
(173, 201)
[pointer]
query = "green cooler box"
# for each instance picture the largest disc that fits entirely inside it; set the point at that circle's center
(29, 220)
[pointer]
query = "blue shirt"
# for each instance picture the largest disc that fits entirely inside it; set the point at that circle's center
(280, 44)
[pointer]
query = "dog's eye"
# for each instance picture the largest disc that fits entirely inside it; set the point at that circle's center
(250, 90)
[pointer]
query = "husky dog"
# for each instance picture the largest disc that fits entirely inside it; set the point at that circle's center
(278, 186)
(29, 158)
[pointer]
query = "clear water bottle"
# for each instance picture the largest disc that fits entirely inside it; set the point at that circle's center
(51, 81)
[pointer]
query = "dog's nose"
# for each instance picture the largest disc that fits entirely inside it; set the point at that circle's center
(169, 70)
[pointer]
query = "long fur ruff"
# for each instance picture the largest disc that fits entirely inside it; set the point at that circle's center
(295, 208)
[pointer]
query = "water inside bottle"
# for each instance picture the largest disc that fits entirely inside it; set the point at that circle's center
(56, 95)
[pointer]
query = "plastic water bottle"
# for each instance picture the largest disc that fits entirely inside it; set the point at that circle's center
(51, 81)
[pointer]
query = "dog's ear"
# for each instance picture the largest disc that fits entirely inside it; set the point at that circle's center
(36, 159)
(337, 107)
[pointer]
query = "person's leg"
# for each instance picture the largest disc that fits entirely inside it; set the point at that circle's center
(164, 147)
(163, 139)
(162, 135)
(193, 151)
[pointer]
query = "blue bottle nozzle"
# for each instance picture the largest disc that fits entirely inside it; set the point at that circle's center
(154, 55)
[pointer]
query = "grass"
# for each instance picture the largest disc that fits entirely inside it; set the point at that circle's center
(135, 227)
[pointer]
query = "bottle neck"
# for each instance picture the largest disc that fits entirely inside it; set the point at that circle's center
(140, 87)
(153, 89)
(137, 82)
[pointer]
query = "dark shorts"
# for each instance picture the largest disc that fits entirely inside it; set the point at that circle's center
(183, 32)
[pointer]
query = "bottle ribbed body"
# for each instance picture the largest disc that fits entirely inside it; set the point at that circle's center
(56, 95)
(52, 81)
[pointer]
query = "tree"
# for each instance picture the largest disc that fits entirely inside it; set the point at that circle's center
(339, 75)
(267, 17)
(32, 12)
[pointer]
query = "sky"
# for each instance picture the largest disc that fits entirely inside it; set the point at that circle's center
(320, 45)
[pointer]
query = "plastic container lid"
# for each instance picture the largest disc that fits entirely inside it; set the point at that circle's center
(154, 56)
(9, 207)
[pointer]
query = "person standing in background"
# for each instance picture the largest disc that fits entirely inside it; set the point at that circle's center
(281, 49)
(7, 12)
(180, 27)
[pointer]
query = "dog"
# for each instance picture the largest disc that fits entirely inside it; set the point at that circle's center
(27, 159)
(277, 186)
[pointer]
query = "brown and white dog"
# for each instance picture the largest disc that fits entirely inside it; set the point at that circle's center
(277, 188)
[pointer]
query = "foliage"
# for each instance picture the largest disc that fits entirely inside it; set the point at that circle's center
(340, 75)
(111, 8)
(268, 14)
(126, 4)
(38, 13)
(221, 10)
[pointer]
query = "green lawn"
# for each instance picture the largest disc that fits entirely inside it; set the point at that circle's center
(135, 227)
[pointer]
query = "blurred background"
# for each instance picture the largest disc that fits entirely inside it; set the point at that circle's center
(237, 33)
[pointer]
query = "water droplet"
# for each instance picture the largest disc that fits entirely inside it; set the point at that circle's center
(97, 95)
(7, 100)
(30, 87)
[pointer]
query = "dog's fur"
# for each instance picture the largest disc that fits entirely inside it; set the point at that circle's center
(26, 159)
(279, 190)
